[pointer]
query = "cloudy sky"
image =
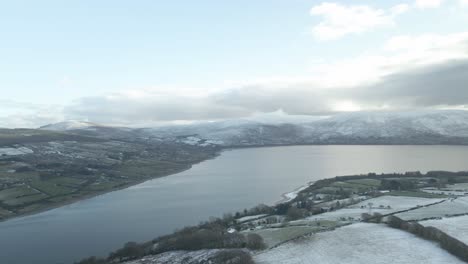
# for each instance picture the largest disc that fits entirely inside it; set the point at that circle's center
(151, 61)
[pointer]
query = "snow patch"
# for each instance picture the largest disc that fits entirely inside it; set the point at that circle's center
(447, 208)
(250, 217)
(456, 227)
(69, 125)
(15, 151)
(397, 203)
(358, 244)
(179, 257)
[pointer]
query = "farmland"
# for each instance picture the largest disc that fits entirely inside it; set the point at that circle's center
(358, 243)
(343, 220)
(42, 169)
(457, 226)
(453, 206)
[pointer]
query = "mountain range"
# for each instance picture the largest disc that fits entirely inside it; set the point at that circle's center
(421, 127)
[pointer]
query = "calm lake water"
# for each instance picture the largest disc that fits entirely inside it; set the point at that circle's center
(235, 180)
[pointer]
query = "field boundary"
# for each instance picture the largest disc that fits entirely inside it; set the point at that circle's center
(447, 242)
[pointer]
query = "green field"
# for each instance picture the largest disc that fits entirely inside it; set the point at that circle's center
(25, 199)
(16, 192)
(416, 194)
(276, 236)
(368, 182)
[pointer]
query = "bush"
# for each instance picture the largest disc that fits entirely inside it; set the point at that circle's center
(131, 250)
(92, 260)
(365, 217)
(394, 221)
(255, 242)
(282, 208)
(295, 213)
(447, 242)
(194, 239)
(235, 256)
(377, 217)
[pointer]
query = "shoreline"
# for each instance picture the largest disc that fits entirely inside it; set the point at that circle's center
(99, 193)
(285, 197)
(86, 197)
(289, 196)
(335, 144)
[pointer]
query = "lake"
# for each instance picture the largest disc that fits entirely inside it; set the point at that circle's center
(237, 179)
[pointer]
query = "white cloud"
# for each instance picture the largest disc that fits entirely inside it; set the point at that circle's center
(400, 9)
(427, 70)
(399, 53)
(18, 114)
(423, 4)
(463, 3)
(453, 43)
(409, 71)
(340, 20)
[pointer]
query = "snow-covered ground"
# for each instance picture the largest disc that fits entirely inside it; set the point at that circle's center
(444, 191)
(291, 195)
(458, 186)
(279, 128)
(382, 205)
(396, 203)
(178, 257)
(69, 125)
(199, 142)
(344, 202)
(350, 214)
(393, 124)
(250, 217)
(275, 236)
(447, 208)
(191, 140)
(359, 244)
(456, 227)
(15, 151)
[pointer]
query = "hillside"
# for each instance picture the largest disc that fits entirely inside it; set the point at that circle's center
(42, 169)
(412, 128)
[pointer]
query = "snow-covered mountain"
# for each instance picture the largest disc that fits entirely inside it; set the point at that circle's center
(280, 117)
(421, 127)
(392, 125)
(69, 125)
(424, 127)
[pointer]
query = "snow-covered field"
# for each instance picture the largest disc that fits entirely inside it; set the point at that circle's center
(250, 218)
(456, 227)
(396, 203)
(450, 207)
(178, 257)
(457, 187)
(344, 202)
(359, 244)
(350, 214)
(275, 236)
(379, 205)
(444, 192)
(15, 151)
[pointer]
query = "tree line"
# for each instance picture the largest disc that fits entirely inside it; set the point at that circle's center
(447, 242)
